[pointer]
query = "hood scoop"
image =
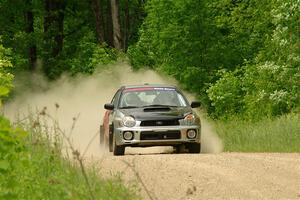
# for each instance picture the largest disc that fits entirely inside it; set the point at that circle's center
(156, 109)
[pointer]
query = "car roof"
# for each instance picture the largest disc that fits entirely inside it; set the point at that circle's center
(146, 85)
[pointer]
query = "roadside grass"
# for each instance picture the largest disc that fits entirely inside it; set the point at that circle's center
(32, 166)
(281, 134)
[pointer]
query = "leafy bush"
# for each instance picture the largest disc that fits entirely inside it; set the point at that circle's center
(5, 76)
(269, 86)
(32, 167)
(89, 55)
(82, 57)
(255, 91)
(227, 95)
(12, 153)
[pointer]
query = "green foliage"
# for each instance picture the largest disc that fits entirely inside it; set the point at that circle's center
(269, 86)
(240, 57)
(32, 167)
(227, 95)
(192, 40)
(256, 91)
(268, 135)
(61, 36)
(10, 145)
(172, 41)
(82, 57)
(12, 152)
(5, 76)
(88, 55)
(12, 32)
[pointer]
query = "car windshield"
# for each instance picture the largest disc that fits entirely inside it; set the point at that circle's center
(144, 97)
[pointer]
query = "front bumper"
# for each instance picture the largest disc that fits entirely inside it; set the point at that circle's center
(161, 141)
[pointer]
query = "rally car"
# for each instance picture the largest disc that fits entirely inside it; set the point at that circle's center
(150, 115)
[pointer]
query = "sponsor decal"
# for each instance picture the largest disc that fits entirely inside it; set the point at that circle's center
(149, 88)
(164, 88)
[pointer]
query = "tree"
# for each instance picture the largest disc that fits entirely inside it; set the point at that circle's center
(54, 24)
(109, 37)
(117, 36)
(53, 32)
(68, 35)
(98, 12)
(29, 18)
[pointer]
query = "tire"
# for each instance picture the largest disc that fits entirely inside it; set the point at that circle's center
(194, 148)
(118, 150)
(179, 149)
(101, 135)
(110, 142)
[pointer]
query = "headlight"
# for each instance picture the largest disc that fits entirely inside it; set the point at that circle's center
(128, 121)
(189, 119)
(191, 134)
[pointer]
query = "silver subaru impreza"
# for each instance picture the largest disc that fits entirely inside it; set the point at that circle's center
(150, 115)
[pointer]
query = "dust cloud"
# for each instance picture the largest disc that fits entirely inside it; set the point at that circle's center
(84, 97)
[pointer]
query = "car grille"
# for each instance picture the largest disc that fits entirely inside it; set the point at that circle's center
(163, 135)
(172, 122)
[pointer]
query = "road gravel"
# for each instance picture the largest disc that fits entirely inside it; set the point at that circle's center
(163, 175)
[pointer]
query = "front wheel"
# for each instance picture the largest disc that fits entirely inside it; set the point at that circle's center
(194, 147)
(118, 150)
(179, 148)
(110, 142)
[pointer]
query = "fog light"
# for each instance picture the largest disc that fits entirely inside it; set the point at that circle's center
(128, 135)
(191, 134)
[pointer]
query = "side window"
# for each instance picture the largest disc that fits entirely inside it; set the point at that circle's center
(181, 100)
(116, 98)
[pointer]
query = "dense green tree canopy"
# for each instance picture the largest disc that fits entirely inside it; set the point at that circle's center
(74, 36)
(241, 57)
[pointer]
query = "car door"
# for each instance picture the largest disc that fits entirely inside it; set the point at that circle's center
(108, 116)
(115, 102)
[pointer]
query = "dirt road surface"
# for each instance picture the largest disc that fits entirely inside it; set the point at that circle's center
(208, 176)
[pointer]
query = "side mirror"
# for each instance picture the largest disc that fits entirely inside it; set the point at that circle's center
(109, 106)
(195, 104)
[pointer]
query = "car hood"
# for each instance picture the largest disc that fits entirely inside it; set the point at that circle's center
(157, 113)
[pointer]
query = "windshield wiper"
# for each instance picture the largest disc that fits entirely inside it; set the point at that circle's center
(128, 107)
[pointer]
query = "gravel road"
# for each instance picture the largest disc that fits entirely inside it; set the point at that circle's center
(208, 176)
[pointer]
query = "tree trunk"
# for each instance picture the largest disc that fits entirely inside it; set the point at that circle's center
(53, 35)
(116, 24)
(127, 25)
(109, 28)
(54, 25)
(47, 17)
(99, 20)
(30, 30)
(59, 17)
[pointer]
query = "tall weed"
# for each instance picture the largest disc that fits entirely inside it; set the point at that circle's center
(38, 164)
(281, 134)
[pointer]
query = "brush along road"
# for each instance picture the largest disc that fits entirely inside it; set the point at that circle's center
(208, 176)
